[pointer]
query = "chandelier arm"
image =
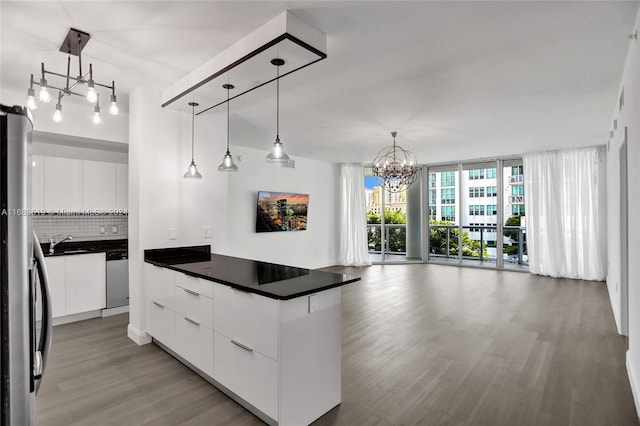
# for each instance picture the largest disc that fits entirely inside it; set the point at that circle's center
(79, 55)
(68, 72)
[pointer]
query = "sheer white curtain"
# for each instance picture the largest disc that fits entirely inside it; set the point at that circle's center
(353, 249)
(564, 217)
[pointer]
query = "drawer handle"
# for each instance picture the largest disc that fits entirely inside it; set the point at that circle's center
(158, 304)
(191, 292)
(194, 322)
(245, 347)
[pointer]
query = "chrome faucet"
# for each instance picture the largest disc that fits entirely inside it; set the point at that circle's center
(53, 243)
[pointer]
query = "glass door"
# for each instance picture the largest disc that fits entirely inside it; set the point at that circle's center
(393, 222)
(444, 238)
(479, 213)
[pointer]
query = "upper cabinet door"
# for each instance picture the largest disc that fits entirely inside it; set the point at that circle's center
(37, 182)
(99, 185)
(122, 186)
(62, 184)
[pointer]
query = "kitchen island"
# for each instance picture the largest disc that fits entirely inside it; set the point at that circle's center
(267, 335)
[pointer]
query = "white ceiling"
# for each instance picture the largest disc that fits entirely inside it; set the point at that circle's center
(457, 80)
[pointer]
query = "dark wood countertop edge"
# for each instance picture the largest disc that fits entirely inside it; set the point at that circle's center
(247, 289)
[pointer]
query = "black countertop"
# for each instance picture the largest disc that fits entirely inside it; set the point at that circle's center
(117, 247)
(267, 279)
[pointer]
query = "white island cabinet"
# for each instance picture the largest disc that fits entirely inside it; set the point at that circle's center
(280, 359)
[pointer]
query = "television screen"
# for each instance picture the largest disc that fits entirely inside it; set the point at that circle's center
(281, 211)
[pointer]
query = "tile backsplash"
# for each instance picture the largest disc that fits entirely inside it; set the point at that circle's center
(81, 227)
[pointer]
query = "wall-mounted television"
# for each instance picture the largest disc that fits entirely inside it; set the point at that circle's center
(281, 211)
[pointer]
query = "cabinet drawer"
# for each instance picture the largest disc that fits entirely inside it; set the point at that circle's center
(197, 285)
(194, 305)
(194, 342)
(248, 318)
(161, 323)
(159, 283)
(249, 374)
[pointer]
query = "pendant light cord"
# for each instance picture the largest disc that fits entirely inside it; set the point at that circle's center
(278, 103)
(228, 88)
(193, 120)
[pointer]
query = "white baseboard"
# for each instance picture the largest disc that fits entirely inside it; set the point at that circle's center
(76, 317)
(141, 338)
(634, 384)
(115, 311)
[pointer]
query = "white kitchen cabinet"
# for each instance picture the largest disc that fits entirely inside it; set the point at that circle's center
(248, 318)
(77, 283)
(194, 342)
(161, 323)
(62, 184)
(98, 185)
(247, 373)
(37, 182)
(122, 186)
(57, 273)
(278, 358)
(86, 282)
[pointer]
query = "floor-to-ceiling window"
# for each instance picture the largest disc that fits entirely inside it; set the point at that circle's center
(515, 231)
(476, 214)
(394, 225)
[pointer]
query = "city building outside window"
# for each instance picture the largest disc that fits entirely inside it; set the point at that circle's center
(492, 173)
(448, 195)
(448, 179)
(492, 191)
(448, 213)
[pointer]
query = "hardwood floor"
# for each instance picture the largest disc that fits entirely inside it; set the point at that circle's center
(422, 345)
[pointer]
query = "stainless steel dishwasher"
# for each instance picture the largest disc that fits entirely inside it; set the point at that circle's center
(117, 278)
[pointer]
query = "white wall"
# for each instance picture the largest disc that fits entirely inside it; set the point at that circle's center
(313, 248)
(629, 117)
(160, 198)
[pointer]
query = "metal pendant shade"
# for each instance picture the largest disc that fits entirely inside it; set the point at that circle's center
(277, 154)
(192, 171)
(227, 164)
(396, 166)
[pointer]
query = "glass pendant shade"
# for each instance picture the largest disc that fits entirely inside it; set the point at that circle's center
(192, 171)
(44, 92)
(57, 115)
(277, 154)
(227, 164)
(31, 100)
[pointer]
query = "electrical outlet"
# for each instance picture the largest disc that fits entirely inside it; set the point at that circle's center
(173, 234)
(103, 230)
(313, 303)
(114, 229)
(207, 232)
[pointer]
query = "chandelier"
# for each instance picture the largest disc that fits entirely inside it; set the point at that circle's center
(73, 44)
(396, 166)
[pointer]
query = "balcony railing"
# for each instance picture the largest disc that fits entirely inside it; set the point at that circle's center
(516, 199)
(395, 238)
(443, 242)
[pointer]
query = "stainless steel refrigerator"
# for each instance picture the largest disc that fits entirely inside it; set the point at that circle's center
(25, 316)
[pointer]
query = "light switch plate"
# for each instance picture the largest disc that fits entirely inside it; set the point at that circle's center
(207, 232)
(173, 234)
(313, 303)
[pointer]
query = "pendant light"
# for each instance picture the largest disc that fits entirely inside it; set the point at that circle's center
(227, 164)
(192, 171)
(277, 154)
